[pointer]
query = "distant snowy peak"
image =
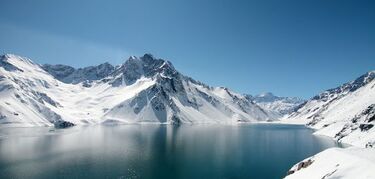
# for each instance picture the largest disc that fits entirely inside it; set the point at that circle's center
(279, 105)
(266, 97)
(270, 97)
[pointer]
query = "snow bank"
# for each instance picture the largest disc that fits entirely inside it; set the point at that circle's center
(349, 163)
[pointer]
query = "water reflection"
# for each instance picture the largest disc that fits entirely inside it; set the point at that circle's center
(156, 151)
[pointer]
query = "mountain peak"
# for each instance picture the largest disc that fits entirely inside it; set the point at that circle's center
(281, 105)
(266, 97)
(266, 94)
(145, 66)
(9, 56)
(132, 58)
(148, 56)
(147, 60)
(11, 62)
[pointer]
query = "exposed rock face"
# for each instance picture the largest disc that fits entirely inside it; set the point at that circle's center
(62, 124)
(68, 74)
(361, 123)
(60, 72)
(300, 165)
(146, 66)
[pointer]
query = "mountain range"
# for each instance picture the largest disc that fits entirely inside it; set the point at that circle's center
(281, 105)
(141, 90)
(150, 90)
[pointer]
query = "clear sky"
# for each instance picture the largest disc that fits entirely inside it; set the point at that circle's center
(288, 47)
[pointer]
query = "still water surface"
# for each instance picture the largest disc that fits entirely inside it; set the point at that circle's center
(156, 151)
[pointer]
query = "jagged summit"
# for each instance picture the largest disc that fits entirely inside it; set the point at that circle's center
(146, 66)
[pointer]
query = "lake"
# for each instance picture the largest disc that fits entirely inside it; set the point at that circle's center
(157, 151)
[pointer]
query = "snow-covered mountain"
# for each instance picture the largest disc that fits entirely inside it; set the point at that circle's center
(141, 90)
(276, 104)
(345, 113)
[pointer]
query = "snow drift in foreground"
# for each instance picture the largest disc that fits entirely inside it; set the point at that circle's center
(345, 113)
(142, 90)
(346, 163)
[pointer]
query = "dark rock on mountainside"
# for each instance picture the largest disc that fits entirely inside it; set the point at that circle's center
(145, 66)
(362, 121)
(63, 124)
(68, 74)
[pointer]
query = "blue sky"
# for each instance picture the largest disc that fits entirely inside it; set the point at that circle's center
(289, 47)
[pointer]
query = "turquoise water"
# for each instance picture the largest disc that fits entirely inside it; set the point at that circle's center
(156, 151)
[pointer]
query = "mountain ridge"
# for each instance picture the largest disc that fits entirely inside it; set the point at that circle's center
(344, 113)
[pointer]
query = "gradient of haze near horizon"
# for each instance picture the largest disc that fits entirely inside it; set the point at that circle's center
(291, 48)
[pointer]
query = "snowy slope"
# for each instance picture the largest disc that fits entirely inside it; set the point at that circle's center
(141, 90)
(281, 106)
(345, 113)
(347, 163)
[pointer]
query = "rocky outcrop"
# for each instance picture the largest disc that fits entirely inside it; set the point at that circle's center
(300, 165)
(62, 124)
